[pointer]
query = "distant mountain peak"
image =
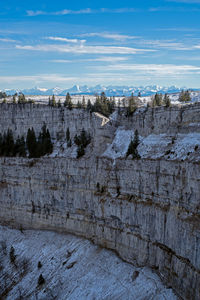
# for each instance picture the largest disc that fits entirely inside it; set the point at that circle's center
(110, 90)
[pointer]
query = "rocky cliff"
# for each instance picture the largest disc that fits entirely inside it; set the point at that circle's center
(147, 210)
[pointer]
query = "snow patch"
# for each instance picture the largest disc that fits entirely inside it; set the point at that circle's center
(120, 144)
(73, 268)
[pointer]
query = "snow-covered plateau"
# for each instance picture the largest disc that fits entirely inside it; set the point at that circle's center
(72, 268)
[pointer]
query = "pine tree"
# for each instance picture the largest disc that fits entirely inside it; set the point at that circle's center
(53, 101)
(167, 100)
(82, 141)
(44, 144)
(59, 103)
(184, 96)
(69, 141)
(132, 105)
(132, 149)
(158, 99)
(9, 143)
(22, 99)
(83, 103)
(1, 144)
(48, 146)
(32, 143)
(20, 147)
(14, 99)
(68, 135)
(79, 105)
(89, 106)
(68, 102)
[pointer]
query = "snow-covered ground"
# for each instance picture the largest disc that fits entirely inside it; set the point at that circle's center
(195, 97)
(73, 268)
(181, 146)
(120, 144)
(60, 149)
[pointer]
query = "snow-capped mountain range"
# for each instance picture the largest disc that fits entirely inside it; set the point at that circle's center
(109, 90)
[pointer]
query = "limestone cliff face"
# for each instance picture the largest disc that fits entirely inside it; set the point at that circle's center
(147, 210)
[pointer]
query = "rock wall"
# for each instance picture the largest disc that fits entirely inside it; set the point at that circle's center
(147, 210)
(157, 120)
(172, 120)
(21, 117)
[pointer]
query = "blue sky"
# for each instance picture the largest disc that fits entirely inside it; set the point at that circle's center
(62, 43)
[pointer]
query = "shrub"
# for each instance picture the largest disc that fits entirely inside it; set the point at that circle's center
(41, 280)
(12, 255)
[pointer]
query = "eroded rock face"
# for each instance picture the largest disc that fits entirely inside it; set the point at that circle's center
(147, 210)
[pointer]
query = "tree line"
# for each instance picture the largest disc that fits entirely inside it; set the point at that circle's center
(102, 104)
(160, 100)
(31, 146)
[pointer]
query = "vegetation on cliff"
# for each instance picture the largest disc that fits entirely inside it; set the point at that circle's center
(132, 148)
(82, 141)
(19, 147)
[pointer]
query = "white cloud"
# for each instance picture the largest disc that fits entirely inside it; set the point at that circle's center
(32, 13)
(7, 40)
(154, 69)
(82, 49)
(168, 44)
(61, 39)
(37, 78)
(117, 37)
(110, 59)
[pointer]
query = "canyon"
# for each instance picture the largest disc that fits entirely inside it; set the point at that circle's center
(147, 210)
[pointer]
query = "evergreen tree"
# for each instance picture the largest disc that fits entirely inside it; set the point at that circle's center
(59, 103)
(68, 102)
(21, 99)
(79, 105)
(184, 96)
(48, 146)
(132, 105)
(53, 101)
(9, 144)
(89, 106)
(68, 135)
(44, 144)
(14, 99)
(158, 99)
(82, 141)
(1, 144)
(32, 143)
(69, 141)
(80, 151)
(2, 95)
(20, 147)
(132, 149)
(83, 103)
(167, 100)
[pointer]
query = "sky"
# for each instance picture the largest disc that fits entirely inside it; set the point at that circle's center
(135, 43)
